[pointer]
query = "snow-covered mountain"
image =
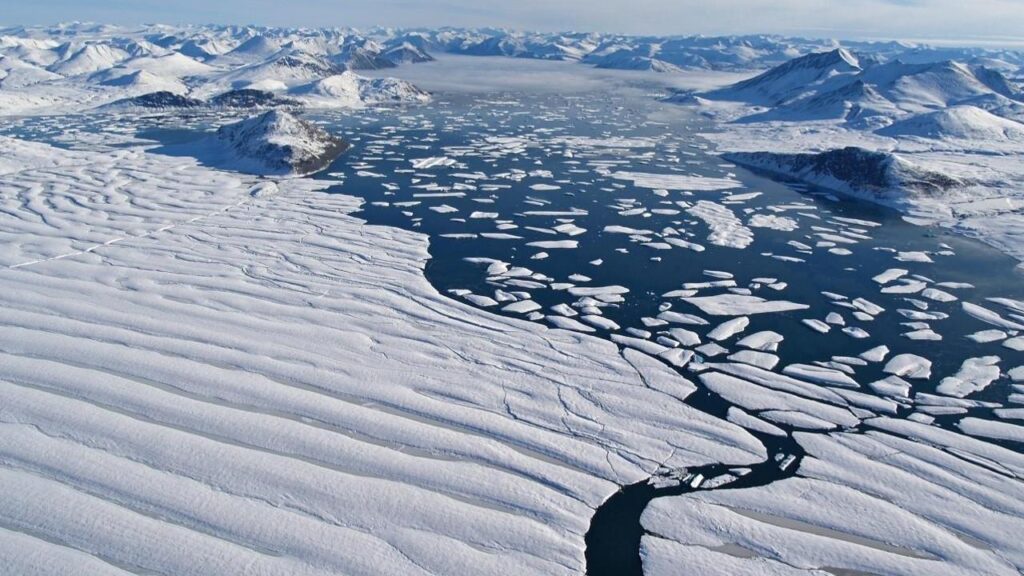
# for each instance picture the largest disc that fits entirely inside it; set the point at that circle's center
(350, 90)
(810, 78)
(854, 102)
(801, 77)
(77, 67)
(278, 143)
(864, 92)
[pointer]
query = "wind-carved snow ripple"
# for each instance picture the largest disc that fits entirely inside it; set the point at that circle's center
(276, 388)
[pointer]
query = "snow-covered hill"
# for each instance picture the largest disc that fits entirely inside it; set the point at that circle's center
(876, 176)
(138, 81)
(278, 143)
(964, 122)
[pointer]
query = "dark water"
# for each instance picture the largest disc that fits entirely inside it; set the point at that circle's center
(464, 124)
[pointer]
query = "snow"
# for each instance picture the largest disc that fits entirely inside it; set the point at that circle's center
(853, 510)
(964, 122)
(277, 142)
(183, 369)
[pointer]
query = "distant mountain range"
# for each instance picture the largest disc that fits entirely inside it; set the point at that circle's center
(936, 100)
(807, 79)
(57, 47)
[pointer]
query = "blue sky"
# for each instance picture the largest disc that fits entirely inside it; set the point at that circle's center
(997, 20)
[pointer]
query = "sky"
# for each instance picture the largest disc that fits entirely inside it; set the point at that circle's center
(977, 21)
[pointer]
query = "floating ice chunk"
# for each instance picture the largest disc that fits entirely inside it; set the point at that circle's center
(645, 346)
(920, 316)
(483, 215)
(677, 357)
(600, 322)
(597, 290)
(711, 284)
(711, 350)
(990, 317)
(766, 341)
(721, 275)
(740, 418)
(905, 287)
(444, 209)
(545, 187)
(679, 294)
(867, 307)
(975, 375)
(914, 257)
(684, 337)
(729, 328)
(616, 229)
(891, 386)
(741, 305)
(680, 318)
(937, 295)
(680, 243)
(568, 324)
(1016, 343)
(986, 336)
(816, 325)
(890, 275)
(677, 181)
(432, 162)
(641, 334)
(991, 429)
(820, 375)
(563, 310)
(522, 307)
(800, 420)
(771, 221)
(726, 229)
(554, 244)
(570, 229)
(755, 358)
(909, 366)
(835, 319)
(923, 334)
(855, 332)
(482, 301)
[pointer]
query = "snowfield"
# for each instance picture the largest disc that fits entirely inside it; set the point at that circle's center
(235, 382)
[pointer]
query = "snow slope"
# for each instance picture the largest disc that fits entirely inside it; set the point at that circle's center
(964, 122)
